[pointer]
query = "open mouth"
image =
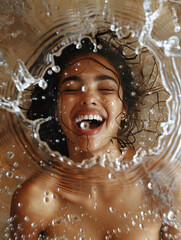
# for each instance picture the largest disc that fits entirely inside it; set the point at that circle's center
(89, 122)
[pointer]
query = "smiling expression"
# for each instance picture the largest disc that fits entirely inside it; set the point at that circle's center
(90, 104)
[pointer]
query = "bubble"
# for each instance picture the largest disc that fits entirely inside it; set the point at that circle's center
(133, 94)
(10, 155)
(76, 148)
(140, 226)
(57, 221)
(20, 204)
(112, 176)
(42, 84)
(95, 206)
(33, 225)
(111, 209)
(50, 72)
(15, 164)
(26, 218)
(9, 174)
(56, 69)
(54, 196)
(177, 28)
(84, 89)
(78, 45)
(133, 223)
(171, 215)
(46, 199)
(14, 35)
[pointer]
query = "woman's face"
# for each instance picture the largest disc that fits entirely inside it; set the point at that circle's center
(90, 103)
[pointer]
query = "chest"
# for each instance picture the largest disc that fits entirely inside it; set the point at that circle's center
(118, 217)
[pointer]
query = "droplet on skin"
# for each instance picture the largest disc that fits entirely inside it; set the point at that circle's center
(9, 174)
(76, 148)
(16, 164)
(133, 223)
(10, 155)
(33, 224)
(20, 204)
(84, 89)
(171, 215)
(46, 199)
(26, 218)
(111, 209)
(111, 176)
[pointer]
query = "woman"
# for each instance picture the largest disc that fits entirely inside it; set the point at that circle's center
(92, 101)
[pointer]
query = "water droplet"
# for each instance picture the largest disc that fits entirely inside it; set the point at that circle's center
(133, 94)
(42, 84)
(26, 218)
(95, 206)
(56, 69)
(112, 176)
(50, 72)
(112, 210)
(108, 150)
(84, 89)
(20, 204)
(10, 155)
(84, 125)
(15, 164)
(140, 226)
(9, 174)
(133, 223)
(125, 215)
(46, 199)
(171, 215)
(33, 224)
(14, 35)
(54, 196)
(78, 45)
(76, 148)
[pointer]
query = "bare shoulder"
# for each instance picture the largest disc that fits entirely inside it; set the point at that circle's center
(35, 202)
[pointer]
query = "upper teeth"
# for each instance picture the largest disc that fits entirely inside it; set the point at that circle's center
(88, 117)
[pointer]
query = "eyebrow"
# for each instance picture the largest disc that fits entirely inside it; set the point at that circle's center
(74, 78)
(97, 78)
(105, 77)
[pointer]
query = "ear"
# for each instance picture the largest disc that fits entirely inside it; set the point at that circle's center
(124, 111)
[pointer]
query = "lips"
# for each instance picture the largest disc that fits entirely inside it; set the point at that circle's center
(89, 122)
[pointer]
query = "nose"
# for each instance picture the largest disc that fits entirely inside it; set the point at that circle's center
(89, 98)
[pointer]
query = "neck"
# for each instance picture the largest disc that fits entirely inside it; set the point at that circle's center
(77, 155)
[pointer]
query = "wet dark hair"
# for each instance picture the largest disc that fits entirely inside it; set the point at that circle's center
(44, 101)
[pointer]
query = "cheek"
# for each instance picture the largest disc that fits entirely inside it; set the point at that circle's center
(66, 103)
(115, 108)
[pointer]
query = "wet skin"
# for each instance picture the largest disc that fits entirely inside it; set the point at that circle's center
(97, 213)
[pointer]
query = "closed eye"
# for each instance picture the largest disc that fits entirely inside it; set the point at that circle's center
(70, 90)
(106, 90)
